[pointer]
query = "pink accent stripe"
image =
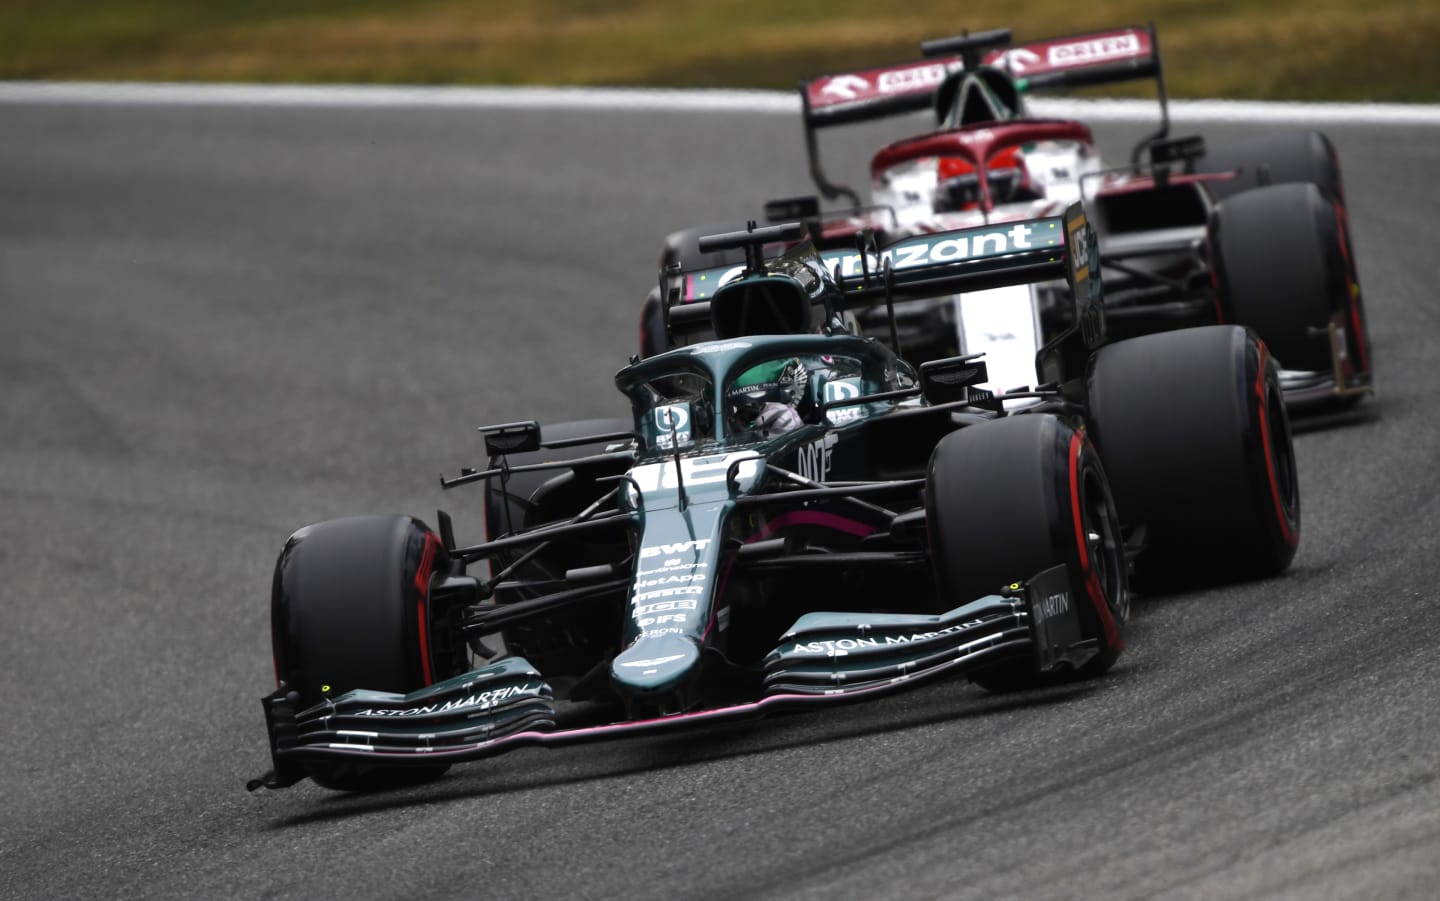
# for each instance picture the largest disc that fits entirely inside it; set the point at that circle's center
(714, 612)
(812, 518)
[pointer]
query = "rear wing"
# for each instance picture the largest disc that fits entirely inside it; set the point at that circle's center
(926, 265)
(1073, 61)
(873, 93)
(890, 90)
(935, 265)
(1080, 60)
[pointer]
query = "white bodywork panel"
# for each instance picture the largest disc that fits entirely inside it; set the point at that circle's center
(1004, 325)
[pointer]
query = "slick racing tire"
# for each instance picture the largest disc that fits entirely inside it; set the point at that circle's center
(1008, 499)
(683, 247)
(653, 338)
(1282, 269)
(1275, 159)
(1194, 435)
(348, 610)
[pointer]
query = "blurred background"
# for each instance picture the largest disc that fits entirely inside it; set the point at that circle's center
(1384, 50)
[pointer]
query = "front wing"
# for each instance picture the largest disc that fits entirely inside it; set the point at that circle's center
(824, 658)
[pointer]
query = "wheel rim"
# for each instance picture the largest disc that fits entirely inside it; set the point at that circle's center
(1280, 450)
(1104, 547)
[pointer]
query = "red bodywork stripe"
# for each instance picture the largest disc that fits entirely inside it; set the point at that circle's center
(976, 144)
(1092, 580)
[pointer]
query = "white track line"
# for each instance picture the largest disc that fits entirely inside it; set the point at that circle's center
(671, 100)
(659, 99)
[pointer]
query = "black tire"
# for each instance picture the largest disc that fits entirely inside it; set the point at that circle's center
(1010, 498)
(1282, 267)
(1305, 157)
(683, 247)
(348, 610)
(1192, 428)
(653, 339)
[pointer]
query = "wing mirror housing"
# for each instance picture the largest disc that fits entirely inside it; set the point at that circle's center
(949, 380)
(511, 438)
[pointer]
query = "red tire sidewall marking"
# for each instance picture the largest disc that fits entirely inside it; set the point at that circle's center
(1092, 579)
(422, 589)
(1287, 534)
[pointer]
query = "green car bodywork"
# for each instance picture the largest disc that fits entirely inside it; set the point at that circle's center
(683, 494)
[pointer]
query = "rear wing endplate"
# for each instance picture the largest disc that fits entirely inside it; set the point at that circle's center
(1079, 60)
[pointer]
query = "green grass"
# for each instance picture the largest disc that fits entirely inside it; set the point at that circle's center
(1280, 49)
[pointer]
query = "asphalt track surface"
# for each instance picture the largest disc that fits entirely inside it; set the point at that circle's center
(217, 325)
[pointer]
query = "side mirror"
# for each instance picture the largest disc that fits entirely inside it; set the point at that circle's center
(949, 380)
(511, 438)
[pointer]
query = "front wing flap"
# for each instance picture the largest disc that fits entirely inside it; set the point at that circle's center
(840, 653)
(498, 700)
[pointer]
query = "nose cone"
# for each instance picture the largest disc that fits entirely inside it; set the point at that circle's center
(656, 670)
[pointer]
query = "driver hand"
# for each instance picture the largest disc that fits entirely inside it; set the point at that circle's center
(778, 418)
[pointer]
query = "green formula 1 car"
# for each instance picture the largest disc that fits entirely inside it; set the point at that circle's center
(793, 516)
